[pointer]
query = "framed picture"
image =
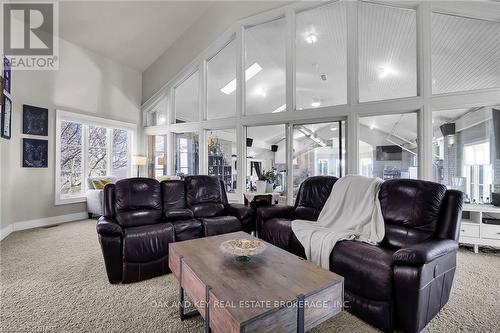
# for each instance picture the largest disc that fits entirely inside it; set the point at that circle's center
(35, 120)
(6, 75)
(35, 153)
(6, 117)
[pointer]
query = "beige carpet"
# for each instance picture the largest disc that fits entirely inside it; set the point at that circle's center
(53, 280)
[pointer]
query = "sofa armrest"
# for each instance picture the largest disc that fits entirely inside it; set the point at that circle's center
(269, 212)
(240, 211)
(424, 253)
(108, 226)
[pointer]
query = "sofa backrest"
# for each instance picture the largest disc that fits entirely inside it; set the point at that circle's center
(138, 202)
(411, 210)
(312, 196)
(204, 196)
(174, 194)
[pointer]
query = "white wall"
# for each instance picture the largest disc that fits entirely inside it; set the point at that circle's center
(219, 17)
(85, 83)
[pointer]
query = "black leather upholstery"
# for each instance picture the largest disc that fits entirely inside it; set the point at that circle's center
(406, 280)
(142, 216)
(138, 202)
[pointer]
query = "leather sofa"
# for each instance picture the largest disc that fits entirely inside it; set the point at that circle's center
(404, 281)
(142, 216)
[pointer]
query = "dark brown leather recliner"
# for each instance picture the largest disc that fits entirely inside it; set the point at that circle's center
(141, 217)
(404, 281)
(206, 198)
(134, 237)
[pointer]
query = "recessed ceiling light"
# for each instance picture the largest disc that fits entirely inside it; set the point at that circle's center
(385, 71)
(161, 120)
(372, 126)
(280, 109)
(262, 92)
(249, 73)
(333, 129)
(315, 104)
(311, 38)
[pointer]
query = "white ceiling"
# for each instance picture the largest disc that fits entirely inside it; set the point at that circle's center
(134, 33)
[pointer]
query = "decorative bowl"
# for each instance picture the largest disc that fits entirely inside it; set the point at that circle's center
(242, 249)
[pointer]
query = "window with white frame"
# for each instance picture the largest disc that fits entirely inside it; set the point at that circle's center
(89, 147)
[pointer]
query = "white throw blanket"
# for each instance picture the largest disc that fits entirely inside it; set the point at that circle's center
(352, 211)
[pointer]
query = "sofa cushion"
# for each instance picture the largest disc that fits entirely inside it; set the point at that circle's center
(138, 202)
(174, 194)
(188, 229)
(178, 214)
(208, 209)
(367, 269)
(314, 191)
(410, 209)
(220, 225)
(148, 242)
(203, 189)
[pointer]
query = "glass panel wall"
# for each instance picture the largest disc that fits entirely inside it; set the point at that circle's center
(387, 52)
(466, 151)
(157, 115)
(266, 161)
(157, 156)
(186, 148)
(265, 67)
(318, 150)
(186, 98)
(221, 83)
(465, 53)
(222, 157)
(321, 56)
(120, 153)
(388, 146)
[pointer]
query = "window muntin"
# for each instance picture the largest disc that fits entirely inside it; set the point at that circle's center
(221, 83)
(387, 43)
(321, 56)
(265, 67)
(388, 146)
(465, 53)
(87, 149)
(222, 157)
(187, 99)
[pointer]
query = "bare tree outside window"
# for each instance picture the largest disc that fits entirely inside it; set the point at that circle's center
(97, 152)
(120, 153)
(71, 158)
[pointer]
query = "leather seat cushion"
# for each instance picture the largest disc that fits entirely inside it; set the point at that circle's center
(178, 214)
(148, 242)
(188, 229)
(220, 225)
(367, 269)
(207, 209)
(277, 231)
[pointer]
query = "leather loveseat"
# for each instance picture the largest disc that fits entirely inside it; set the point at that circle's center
(404, 281)
(141, 217)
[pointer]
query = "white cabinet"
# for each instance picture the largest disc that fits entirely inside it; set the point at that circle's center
(474, 231)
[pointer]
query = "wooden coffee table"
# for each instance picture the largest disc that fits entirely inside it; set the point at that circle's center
(275, 292)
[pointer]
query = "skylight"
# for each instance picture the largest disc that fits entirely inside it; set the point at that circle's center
(249, 73)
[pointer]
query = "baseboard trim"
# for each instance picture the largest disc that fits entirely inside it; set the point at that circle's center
(5, 231)
(43, 222)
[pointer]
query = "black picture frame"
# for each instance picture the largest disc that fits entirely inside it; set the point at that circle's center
(35, 120)
(6, 118)
(35, 153)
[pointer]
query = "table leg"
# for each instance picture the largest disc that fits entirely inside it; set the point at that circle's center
(207, 310)
(300, 314)
(182, 314)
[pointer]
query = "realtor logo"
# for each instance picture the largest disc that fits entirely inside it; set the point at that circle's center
(30, 35)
